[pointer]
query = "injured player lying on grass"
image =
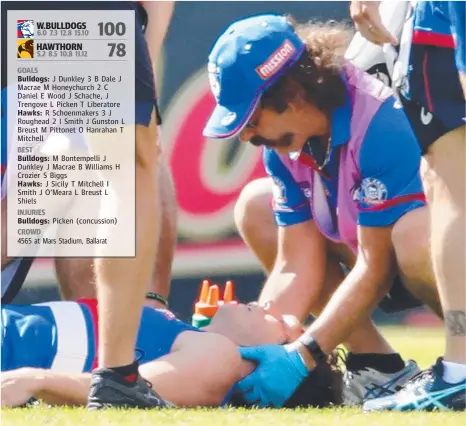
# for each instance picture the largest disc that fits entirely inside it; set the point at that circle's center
(187, 366)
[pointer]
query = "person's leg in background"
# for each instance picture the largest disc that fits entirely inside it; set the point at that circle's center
(443, 386)
(76, 275)
(447, 160)
(441, 134)
(445, 177)
(122, 282)
(162, 274)
(368, 349)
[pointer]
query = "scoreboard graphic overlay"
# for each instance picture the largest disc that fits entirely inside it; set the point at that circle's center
(68, 151)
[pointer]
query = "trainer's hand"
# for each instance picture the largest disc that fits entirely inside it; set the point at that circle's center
(367, 20)
(279, 372)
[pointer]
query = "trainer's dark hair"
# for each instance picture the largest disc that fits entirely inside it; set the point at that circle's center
(318, 73)
(322, 388)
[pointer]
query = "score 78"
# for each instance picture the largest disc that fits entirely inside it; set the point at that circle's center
(120, 49)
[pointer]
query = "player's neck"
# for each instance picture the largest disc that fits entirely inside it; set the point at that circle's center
(225, 330)
(247, 367)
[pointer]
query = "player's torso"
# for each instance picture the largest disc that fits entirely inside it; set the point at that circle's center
(62, 336)
(55, 335)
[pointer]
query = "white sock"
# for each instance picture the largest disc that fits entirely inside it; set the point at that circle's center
(453, 372)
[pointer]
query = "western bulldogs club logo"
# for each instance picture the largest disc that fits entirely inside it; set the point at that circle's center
(25, 28)
(25, 42)
(371, 192)
(279, 192)
(306, 188)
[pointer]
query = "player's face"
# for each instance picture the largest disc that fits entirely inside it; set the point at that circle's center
(288, 131)
(255, 324)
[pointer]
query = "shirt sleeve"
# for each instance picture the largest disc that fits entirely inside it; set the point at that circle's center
(389, 163)
(290, 203)
(457, 11)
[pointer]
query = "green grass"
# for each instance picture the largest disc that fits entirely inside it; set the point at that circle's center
(219, 417)
(424, 345)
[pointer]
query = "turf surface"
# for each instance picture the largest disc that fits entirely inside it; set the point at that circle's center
(424, 345)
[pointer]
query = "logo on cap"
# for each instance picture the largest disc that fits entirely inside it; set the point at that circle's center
(276, 60)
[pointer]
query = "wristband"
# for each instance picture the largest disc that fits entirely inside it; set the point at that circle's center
(316, 352)
(157, 297)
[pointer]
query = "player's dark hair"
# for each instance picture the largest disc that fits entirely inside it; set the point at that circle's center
(322, 388)
(317, 75)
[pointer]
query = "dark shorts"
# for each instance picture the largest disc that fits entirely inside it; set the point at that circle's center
(145, 94)
(146, 99)
(398, 299)
(436, 103)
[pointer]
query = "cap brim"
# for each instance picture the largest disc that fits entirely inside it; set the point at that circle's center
(226, 122)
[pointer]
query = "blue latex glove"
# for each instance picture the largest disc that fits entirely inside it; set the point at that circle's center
(279, 372)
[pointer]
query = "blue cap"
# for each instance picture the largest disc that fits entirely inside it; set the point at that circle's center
(245, 61)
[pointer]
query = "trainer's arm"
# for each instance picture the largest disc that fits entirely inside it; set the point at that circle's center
(358, 295)
(389, 165)
(297, 278)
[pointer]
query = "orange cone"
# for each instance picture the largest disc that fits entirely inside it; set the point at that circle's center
(214, 295)
(228, 294)
(208, 300)
(204, 291)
